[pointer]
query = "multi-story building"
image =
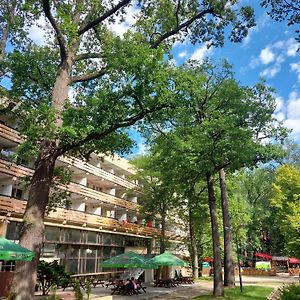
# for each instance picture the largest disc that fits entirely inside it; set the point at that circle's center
(102, 219)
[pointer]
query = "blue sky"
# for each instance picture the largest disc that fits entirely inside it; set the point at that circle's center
(270, 50)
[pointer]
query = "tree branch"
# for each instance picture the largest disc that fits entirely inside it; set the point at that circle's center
(87, 77)
(87, 56)
(180, 27)
(59, 35)
(101, 135)
(103, 17)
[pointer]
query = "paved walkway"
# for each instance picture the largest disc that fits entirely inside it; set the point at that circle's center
(187, 291)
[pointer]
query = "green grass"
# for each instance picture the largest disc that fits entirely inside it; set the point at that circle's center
(206, 278)
(249, 293)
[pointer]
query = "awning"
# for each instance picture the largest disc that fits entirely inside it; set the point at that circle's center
(294, 260)
(264, 255)
(280, 258)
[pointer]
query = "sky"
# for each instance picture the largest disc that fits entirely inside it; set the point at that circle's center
(269, 51)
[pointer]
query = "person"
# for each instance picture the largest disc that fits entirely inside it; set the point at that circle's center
(133, 286)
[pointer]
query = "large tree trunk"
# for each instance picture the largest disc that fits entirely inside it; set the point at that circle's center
(33, 227)
(162, 270)
(194, 250)
(229, 276)
(218, 280)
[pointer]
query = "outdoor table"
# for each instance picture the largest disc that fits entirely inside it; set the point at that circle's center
(168, 283)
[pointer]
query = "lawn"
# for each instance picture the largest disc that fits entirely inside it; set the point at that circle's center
(249, 293)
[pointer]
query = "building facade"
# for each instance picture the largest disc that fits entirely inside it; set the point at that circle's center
(102, 219)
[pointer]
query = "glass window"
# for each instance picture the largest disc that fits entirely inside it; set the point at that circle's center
(72, 265)
(117, 240)
(106, 239)
(52, 233)
(13, 230)
(49, 250)
(90, 265)
(92, 237)
(74, 251)
(74, 235)
(106, 252)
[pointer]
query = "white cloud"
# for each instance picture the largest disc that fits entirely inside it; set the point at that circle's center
(182, 54)
(142, 149)
(292, 47)
(200, 53)
(38, 31)
(121, 26)
(260, 24)
(289, 112)
(271, 71)
(293, 106)
(274, 55)
(296, 68)
(266, 56)
(279, 103)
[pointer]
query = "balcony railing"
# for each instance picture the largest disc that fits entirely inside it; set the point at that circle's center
(15, 208)
(77, 163)
(10, 133)
(12, 169)
(13, 135)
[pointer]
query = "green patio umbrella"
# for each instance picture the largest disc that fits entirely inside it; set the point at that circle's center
(128, 260)
(13, 251)
(167, 259)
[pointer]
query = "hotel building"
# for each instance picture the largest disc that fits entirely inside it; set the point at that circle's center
(103, 217)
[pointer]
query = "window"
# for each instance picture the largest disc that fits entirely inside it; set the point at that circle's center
(16, 193)
(92, 237)
(52, 233)
(13, 230)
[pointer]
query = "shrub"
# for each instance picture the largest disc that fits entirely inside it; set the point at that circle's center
(52, 274)
(291, 292)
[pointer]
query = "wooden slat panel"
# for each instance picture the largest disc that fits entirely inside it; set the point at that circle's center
(20, 171)
(13, 135)
(10, 134)
(98, 172)
(17, 207)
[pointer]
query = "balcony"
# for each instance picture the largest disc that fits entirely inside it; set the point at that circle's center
(15, 208)
(14, 170)
(11, 134)
(86, 167)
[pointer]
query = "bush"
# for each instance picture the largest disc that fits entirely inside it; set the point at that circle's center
(52, 274)
(291, 292)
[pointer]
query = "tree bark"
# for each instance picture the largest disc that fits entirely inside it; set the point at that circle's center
(229, 276)
(3, 41)
(194, 250)
(163, 230)
(32, 233)
(218, 280)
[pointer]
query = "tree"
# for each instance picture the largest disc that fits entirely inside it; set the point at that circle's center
(285, 199)
(229, 272)
(113, 86)
(281, 10)
(218, 125)
(158, 195)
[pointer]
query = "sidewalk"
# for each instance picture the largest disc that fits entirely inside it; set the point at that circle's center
(187, 291)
